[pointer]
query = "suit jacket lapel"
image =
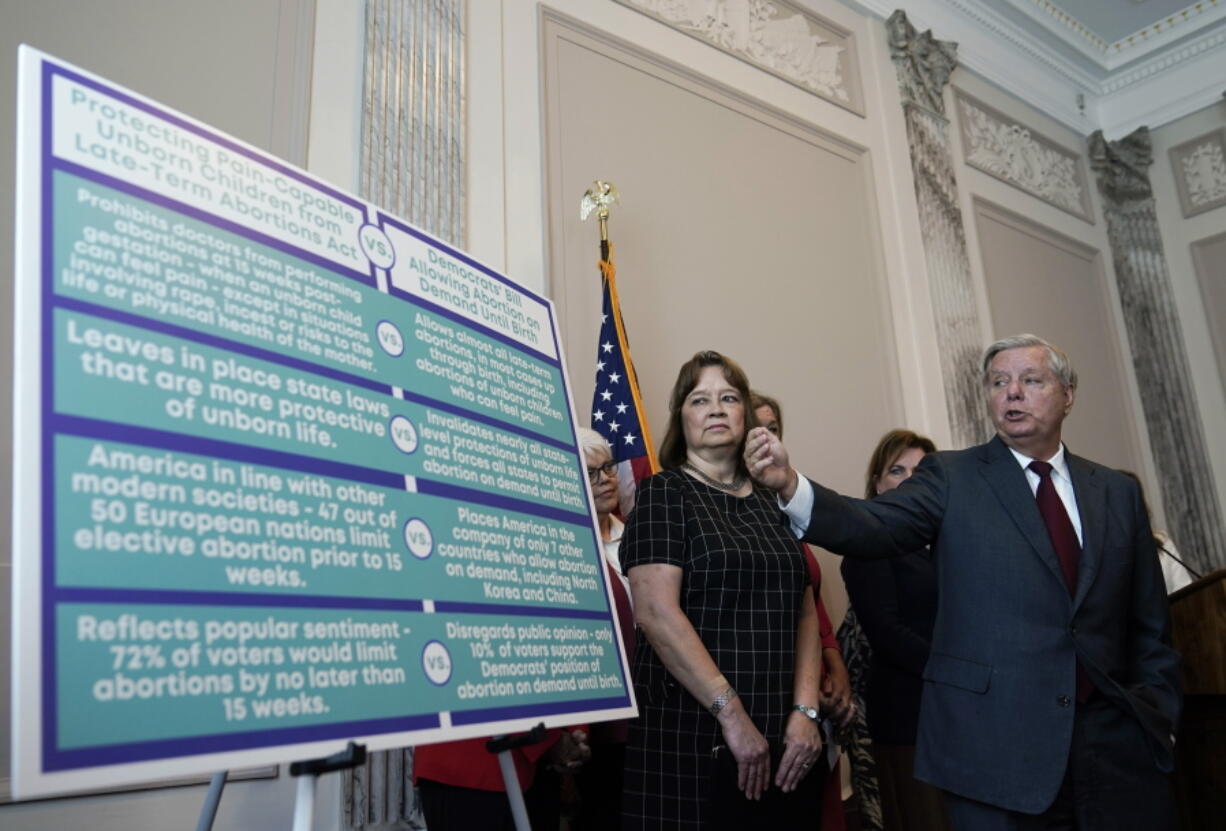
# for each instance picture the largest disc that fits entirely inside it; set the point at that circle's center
(1008, 481)
(1092, 506)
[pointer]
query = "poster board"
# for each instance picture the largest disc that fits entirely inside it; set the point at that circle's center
(287, 470)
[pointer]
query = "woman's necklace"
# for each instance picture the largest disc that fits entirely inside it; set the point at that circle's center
(735, 485)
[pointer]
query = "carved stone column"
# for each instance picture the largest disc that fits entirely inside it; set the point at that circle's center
(412, 165)
(923, 65)
(413, 113)
(1154, 331)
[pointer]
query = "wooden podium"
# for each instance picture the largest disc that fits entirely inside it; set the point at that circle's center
(1198, 630)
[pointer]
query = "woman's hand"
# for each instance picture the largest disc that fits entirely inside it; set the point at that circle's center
(748, 747)
(836, 697)
(802, 742)
(766, 459)
(569, 752)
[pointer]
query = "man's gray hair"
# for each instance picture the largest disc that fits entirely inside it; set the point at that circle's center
(1057, 361)
(591, 441)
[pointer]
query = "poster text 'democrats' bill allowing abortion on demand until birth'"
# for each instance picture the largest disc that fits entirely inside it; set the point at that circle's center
(288, 471)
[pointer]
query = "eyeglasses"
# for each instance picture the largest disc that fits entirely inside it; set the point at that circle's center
(607, 469)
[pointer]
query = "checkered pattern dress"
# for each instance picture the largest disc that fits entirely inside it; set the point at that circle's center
(742, 587)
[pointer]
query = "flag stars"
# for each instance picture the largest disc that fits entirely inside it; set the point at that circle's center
(598, 415)
(607, 347)
(615, 377)
(600, 366)
(621, 408)
(613, 425)
(604, 319)
(606, 396)
(631, 438)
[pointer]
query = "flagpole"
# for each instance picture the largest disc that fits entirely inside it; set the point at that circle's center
(599, 197)
(641, 462)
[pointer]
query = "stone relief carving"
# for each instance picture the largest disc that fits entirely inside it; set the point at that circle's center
(1200, 172)
(922, 62)
(413, 165)
(773, 35)
(924, 65)
(1147, 298)
(1013, 153)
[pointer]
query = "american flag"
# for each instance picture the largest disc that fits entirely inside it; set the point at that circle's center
(617, 406)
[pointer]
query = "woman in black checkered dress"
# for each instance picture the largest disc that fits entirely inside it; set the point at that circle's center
(726, 673)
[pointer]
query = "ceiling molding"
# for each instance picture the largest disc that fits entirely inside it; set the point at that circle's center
(1168, 89)
(1111, 55)
(1203, 45)
(1177, 76)
(1064, 26)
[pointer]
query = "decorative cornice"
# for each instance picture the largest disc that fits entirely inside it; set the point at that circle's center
(1157, 35)
(787, 41)
(1159, 98)
(1167, 60)
(1070, 27)
(1055, 79)
(923, 63)
(939, 15)
(1123, 165)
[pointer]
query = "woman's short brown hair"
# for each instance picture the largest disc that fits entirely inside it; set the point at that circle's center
(892, 445)
(758, 400)
(672, 448)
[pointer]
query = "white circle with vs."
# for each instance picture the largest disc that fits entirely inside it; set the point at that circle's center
(389, 337)
(418, 538)
(404, 434)
(436, 661)
(376, 246)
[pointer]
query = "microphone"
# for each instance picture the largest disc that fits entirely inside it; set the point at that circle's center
(1167, 552)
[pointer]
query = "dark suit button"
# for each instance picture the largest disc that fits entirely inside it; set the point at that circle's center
(1063, 700)
(1072, 630)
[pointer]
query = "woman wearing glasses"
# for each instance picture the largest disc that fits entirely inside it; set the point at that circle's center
(600, 780)
(726, 674)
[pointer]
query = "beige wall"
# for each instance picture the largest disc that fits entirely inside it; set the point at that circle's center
(510, 210)
(1037, 278)
(1209, 263)
(741, 231)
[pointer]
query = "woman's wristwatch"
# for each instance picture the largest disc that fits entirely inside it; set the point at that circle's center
(811, 713)
(721, 701)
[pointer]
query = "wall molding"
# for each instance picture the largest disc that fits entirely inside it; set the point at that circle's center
(1174, 78)
(789, 42)
(1199, 168)
(1012, 152)
(412, 164)
(923, 65)
(1204, 269)
(1133, 46)
(1155, 335)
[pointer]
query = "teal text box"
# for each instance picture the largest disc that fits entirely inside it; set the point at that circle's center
(149, 672)
(130, 375)
(477, 372)
(125, 253)
(134, 517)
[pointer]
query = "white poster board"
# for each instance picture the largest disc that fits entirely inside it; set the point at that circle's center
(288, 471)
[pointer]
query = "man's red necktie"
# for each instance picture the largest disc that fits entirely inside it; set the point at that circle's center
(1064, 539)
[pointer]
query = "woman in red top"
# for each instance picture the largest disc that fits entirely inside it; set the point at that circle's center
(836, 696)
(600, 780)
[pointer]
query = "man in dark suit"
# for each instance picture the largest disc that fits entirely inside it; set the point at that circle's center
(1051, 694)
